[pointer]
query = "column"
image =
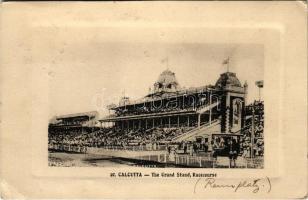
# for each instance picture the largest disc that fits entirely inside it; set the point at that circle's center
(210, 117)
(122, 122)
(178, 120)
(228, 100)
(169, 121)
(146, 124)
(153, 123)
(199, 120)
(188, 120)
(252, 132)
(227, 120)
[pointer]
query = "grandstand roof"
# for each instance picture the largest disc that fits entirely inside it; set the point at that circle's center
(167, 78)
(163, 94)
(87, 114)
(54, 120)
(111, 118)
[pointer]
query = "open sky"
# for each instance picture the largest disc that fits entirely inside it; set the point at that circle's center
(83, 77)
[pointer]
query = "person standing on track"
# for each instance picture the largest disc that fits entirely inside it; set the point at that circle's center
(233, 149)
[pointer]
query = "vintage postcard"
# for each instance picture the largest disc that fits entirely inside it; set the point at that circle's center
(165, 100)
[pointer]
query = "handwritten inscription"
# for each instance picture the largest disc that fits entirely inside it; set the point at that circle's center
(253, 185)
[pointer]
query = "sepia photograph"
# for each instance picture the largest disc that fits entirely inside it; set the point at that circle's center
(160, 105)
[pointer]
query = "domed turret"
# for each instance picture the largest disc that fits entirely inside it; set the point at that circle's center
(166, 82)
(228, 79)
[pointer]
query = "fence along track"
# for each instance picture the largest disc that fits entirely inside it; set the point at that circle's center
(206, 161)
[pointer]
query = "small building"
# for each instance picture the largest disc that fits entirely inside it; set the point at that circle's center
(74, 122)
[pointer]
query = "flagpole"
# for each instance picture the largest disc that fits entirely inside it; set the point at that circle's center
(259, 84)
(167, 63)
(228, 65)
(226, 62)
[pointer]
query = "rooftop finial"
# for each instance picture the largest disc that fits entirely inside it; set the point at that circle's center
(245, 84)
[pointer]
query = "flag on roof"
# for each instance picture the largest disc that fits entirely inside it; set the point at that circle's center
(259, 84)
(226, 61)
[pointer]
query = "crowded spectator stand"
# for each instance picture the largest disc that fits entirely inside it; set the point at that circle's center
(193, 126)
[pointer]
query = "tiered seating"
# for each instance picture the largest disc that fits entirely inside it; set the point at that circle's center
(112, 137)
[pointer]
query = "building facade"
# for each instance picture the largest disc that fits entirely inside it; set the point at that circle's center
(206, 110)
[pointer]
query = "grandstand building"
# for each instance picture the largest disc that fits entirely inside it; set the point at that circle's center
(203, 112)
(74, 122)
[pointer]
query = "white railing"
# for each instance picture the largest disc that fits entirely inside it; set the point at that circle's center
(207, 107)
(68, 148)
(206, 161)
(197, 129)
